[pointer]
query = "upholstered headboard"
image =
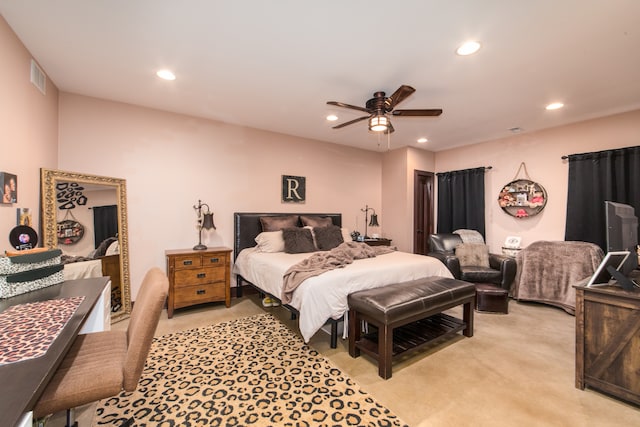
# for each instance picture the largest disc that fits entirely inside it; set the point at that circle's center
(247, 226)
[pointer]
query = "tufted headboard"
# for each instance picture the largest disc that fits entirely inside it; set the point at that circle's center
(246, 226)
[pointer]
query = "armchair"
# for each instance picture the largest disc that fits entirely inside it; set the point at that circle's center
(501, 270)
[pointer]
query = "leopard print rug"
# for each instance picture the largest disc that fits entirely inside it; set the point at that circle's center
(252, 371)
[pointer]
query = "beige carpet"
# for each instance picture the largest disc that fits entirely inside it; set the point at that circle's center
(249, 371)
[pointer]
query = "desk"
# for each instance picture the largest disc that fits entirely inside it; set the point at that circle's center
(21, 383)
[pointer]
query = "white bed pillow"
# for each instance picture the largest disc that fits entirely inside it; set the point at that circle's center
(270, 241)
(346, 235)
(113, 248)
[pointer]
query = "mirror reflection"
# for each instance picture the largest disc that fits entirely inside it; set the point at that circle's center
(85, 216)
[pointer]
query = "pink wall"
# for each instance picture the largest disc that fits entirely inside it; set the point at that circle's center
(29, 129)
(541, 152)
(170, 161)
(398, 168)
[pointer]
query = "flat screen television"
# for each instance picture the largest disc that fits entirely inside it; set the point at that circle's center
(622, 232)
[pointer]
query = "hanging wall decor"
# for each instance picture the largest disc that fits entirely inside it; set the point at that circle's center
(69, 230)
(522, 197)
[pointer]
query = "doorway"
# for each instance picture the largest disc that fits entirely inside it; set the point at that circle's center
(422, 210)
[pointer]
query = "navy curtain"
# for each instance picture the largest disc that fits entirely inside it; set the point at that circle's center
(612, 175)
(105, 223)
(461, 200)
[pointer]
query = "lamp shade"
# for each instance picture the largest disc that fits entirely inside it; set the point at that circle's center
(207, 221)
(374, 221)
(379, 123)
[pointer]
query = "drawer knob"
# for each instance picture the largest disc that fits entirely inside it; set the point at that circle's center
(215, 259)
(202, 275)
(187, 262)
(201, 292)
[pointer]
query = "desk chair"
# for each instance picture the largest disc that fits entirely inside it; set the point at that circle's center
(102, 364)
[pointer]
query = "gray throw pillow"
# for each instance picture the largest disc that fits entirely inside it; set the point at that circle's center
(473, 254)
(328, 238)
(298, 240)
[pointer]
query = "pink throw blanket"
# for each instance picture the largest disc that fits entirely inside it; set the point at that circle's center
(322, 262)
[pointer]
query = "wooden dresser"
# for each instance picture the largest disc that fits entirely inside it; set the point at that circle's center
(607, 341)
(197, 277)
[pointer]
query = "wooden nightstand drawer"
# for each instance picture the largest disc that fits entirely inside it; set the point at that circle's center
(214, 260)
(198, 276)
(188, 261)
(190, 295)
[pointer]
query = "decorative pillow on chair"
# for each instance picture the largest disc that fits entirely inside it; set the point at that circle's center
(473, 254)
(270, 241)
(328, 238)
(316, 221)
(276, 223)
(298, 240)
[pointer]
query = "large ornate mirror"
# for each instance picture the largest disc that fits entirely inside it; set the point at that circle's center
(86, 217)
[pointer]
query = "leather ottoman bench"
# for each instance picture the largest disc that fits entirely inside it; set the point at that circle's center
(407, 316)
(491, 298)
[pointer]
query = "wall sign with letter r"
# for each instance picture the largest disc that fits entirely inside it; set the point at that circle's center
(294, 189)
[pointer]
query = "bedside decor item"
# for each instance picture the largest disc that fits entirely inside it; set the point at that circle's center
(369, 223)
(205, 220)
(522, 198)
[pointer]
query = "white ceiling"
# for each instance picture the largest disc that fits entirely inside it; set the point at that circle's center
(274, 64)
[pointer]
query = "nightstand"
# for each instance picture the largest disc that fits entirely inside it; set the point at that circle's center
(197, 277)
(378, 242)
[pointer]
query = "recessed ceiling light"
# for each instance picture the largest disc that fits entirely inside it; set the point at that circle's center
(468, 48)
(515, 130)
(332, 117)
(554, 106)
(422, 140)
(166, 75)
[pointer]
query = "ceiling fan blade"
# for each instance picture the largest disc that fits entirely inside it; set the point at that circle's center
(359, 119)
(353, 107)
(400, 95)
(426, 112)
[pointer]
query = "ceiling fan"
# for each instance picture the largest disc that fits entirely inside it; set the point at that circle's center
(380, 106)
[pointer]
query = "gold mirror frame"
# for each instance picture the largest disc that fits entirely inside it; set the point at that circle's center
(48, 180)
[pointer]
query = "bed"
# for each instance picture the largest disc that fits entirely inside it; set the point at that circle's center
(104, 261)
(322, 298)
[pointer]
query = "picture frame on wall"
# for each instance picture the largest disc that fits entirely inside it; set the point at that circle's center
(9, 188)
(294, 189)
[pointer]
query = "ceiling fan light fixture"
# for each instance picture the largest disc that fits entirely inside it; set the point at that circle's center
(379, 123)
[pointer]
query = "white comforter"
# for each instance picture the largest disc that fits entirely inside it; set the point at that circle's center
(325, 296)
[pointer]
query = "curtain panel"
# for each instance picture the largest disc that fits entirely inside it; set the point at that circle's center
(461, 200)
(105, 223)
(594, 178)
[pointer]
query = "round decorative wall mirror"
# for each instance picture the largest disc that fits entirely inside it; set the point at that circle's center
(522, 198)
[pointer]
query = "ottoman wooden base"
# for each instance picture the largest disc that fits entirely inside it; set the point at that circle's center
(407, 316)
(491, 298)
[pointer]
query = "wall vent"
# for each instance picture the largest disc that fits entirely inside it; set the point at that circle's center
(38, 77)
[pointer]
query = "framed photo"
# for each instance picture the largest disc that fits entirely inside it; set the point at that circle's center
(294, 189)
(9, 188)
(602, 276)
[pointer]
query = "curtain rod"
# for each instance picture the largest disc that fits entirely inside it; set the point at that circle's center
(564, 157)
